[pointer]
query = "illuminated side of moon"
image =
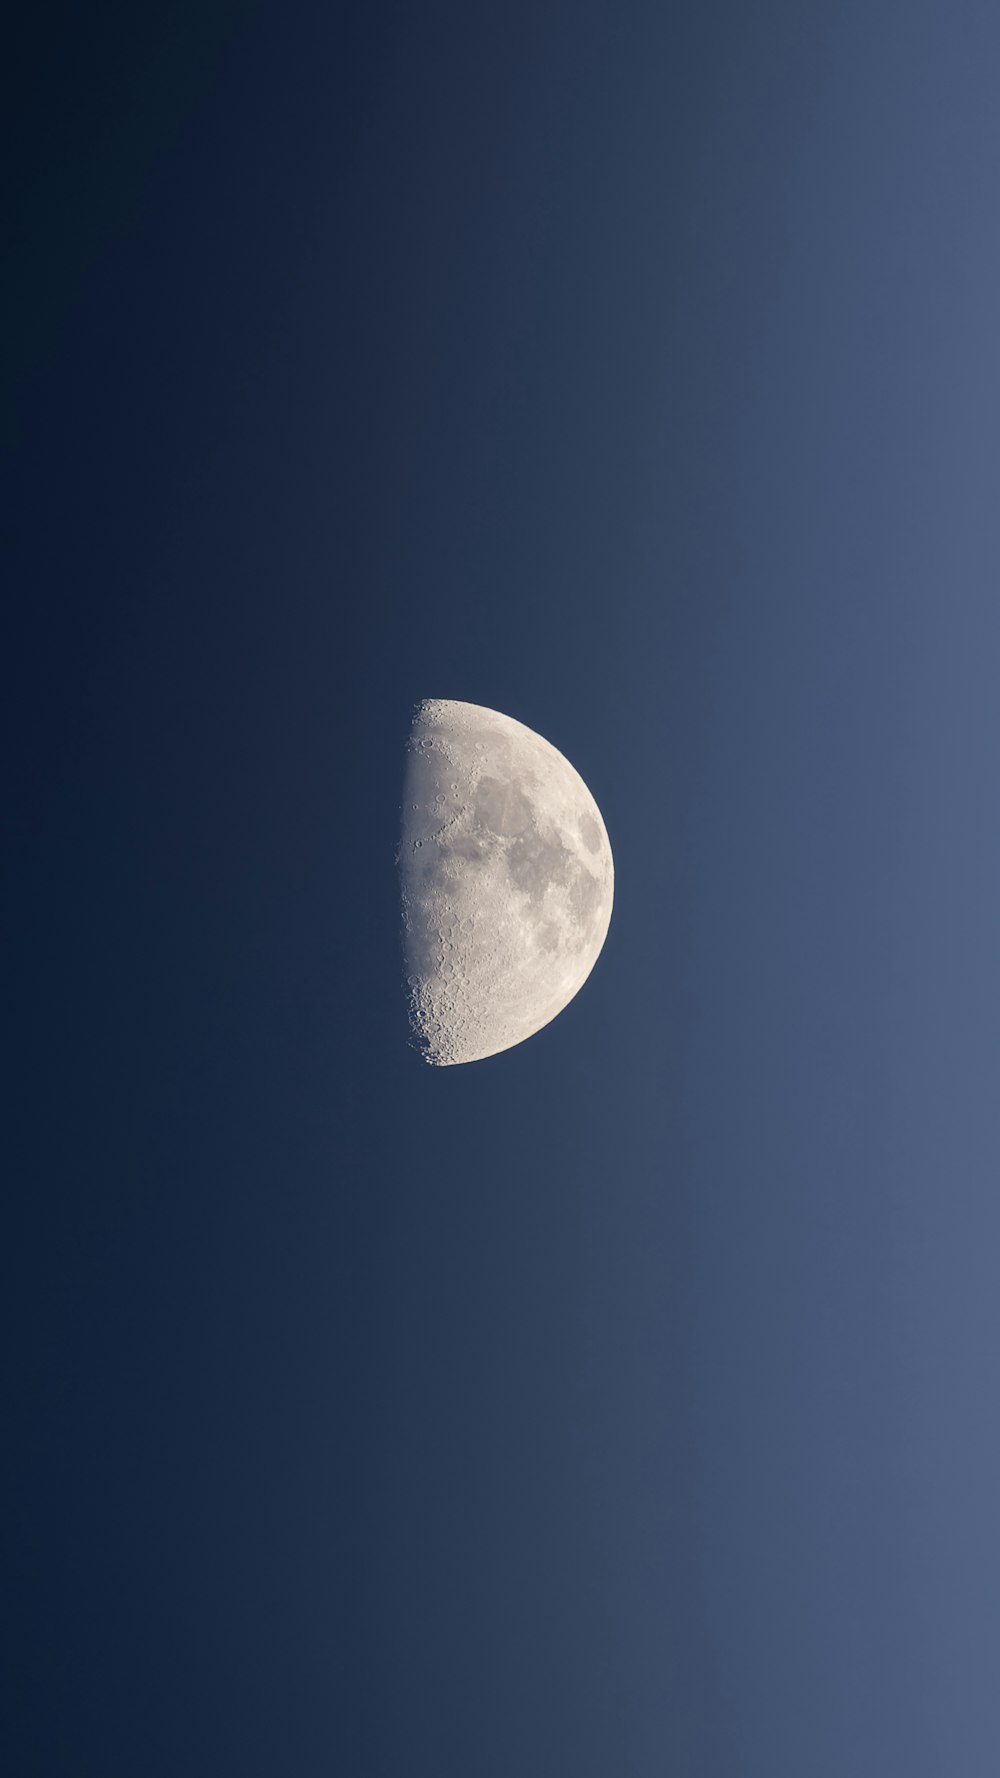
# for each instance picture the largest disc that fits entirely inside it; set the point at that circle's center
(507, 881)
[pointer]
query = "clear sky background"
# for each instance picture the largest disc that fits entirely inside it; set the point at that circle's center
(624, 1405)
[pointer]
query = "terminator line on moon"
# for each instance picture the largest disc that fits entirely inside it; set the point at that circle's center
(507, 881)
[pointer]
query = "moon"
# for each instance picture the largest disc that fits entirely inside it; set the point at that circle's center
(507, 881)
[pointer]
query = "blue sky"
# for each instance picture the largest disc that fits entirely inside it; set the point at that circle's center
(623, 1403)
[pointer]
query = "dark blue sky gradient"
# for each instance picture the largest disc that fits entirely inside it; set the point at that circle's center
(624, 1405)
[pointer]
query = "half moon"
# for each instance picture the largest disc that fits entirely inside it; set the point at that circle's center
(507, 881)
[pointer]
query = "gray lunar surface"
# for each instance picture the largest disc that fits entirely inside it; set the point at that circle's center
(507, 881)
